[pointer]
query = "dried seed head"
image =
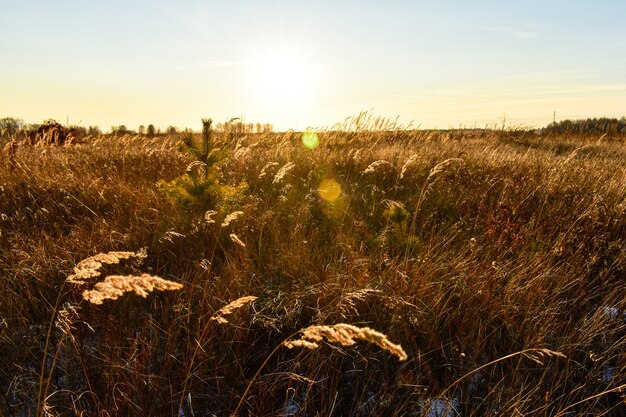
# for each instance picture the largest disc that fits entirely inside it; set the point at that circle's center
(267, 166)
(208, 216)
(346, 335)
(442, 166)
(375, 165)
(115, 286)
(231, 217)
(304, 344)
(284, 170)
(89, 268)
(231, 307)
(236, 240)
(407, 164)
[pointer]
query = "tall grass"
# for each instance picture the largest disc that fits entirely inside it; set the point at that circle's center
(494, 259)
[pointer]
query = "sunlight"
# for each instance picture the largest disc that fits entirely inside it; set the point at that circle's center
(329, 190)
(310, 140)
(283, 77)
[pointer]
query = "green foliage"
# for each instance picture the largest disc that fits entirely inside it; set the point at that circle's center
(200, 188)
(396, 212)
(94, 131)
(120, 130)
(9, 126)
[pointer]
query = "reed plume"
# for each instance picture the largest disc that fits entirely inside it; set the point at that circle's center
(236, 240)
(115, 286)
(375, 165)
(231, 307)
(90, 268)
(267, 166)
(345, 335)
(208, 216)
(231, 218)
(407, 164)
(284, 170)
(430, 181)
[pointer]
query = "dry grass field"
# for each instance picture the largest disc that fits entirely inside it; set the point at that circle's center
(377, 273)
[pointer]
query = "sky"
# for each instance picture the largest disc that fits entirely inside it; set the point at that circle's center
(300, 64)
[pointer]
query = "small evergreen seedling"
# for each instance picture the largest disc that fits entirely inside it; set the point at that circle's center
(199, 188)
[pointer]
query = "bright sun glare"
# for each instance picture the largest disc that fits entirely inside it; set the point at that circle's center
(283, 77)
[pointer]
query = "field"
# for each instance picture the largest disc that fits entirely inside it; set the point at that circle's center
(495, 259)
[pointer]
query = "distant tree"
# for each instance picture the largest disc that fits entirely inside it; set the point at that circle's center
(141, 130)
(151, 131)
(171, 130)
(94, 131)
(597, 125)
(79, 131)
(10, 126)
(119, 130)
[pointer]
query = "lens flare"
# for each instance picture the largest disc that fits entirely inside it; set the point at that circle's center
(310, 140)
(329, 190)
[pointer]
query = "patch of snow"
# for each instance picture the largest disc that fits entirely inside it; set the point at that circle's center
(290, 409)
(610, 312)
(440, 407)
(474, 382)
(608, 373)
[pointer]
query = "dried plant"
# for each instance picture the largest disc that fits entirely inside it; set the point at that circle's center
(347, 304)
(342, 333)
(284, 170)
(231, 218)
(267, 166)
(232, 307)
(90, 268)
(407, 164)
(236, 240)
(66, 317)
(208, 216)
(526, 248)
(375, 165)
(430, 181)
(575, 153)
(347, 335)
(114, 286)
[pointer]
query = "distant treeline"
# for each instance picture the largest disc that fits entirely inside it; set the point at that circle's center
(10, 126)
(600, 126)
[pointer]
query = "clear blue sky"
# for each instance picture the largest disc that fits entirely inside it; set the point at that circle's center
(312, 63)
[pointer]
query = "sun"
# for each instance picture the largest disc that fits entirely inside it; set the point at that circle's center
(283, 77)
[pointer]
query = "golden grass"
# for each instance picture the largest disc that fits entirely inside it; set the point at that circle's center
(231, 218)
(477, 269)
(114, 286)
(231, 307)
(345, 335)
(90, 268)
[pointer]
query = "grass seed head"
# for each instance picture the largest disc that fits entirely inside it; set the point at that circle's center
(346, 335)
(115, 286)
(231, 307)
(231, 218)
(89, 268)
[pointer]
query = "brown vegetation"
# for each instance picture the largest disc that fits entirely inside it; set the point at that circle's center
(53, 133)
(494, 262)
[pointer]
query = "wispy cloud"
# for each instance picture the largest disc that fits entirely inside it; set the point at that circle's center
(513, 32)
